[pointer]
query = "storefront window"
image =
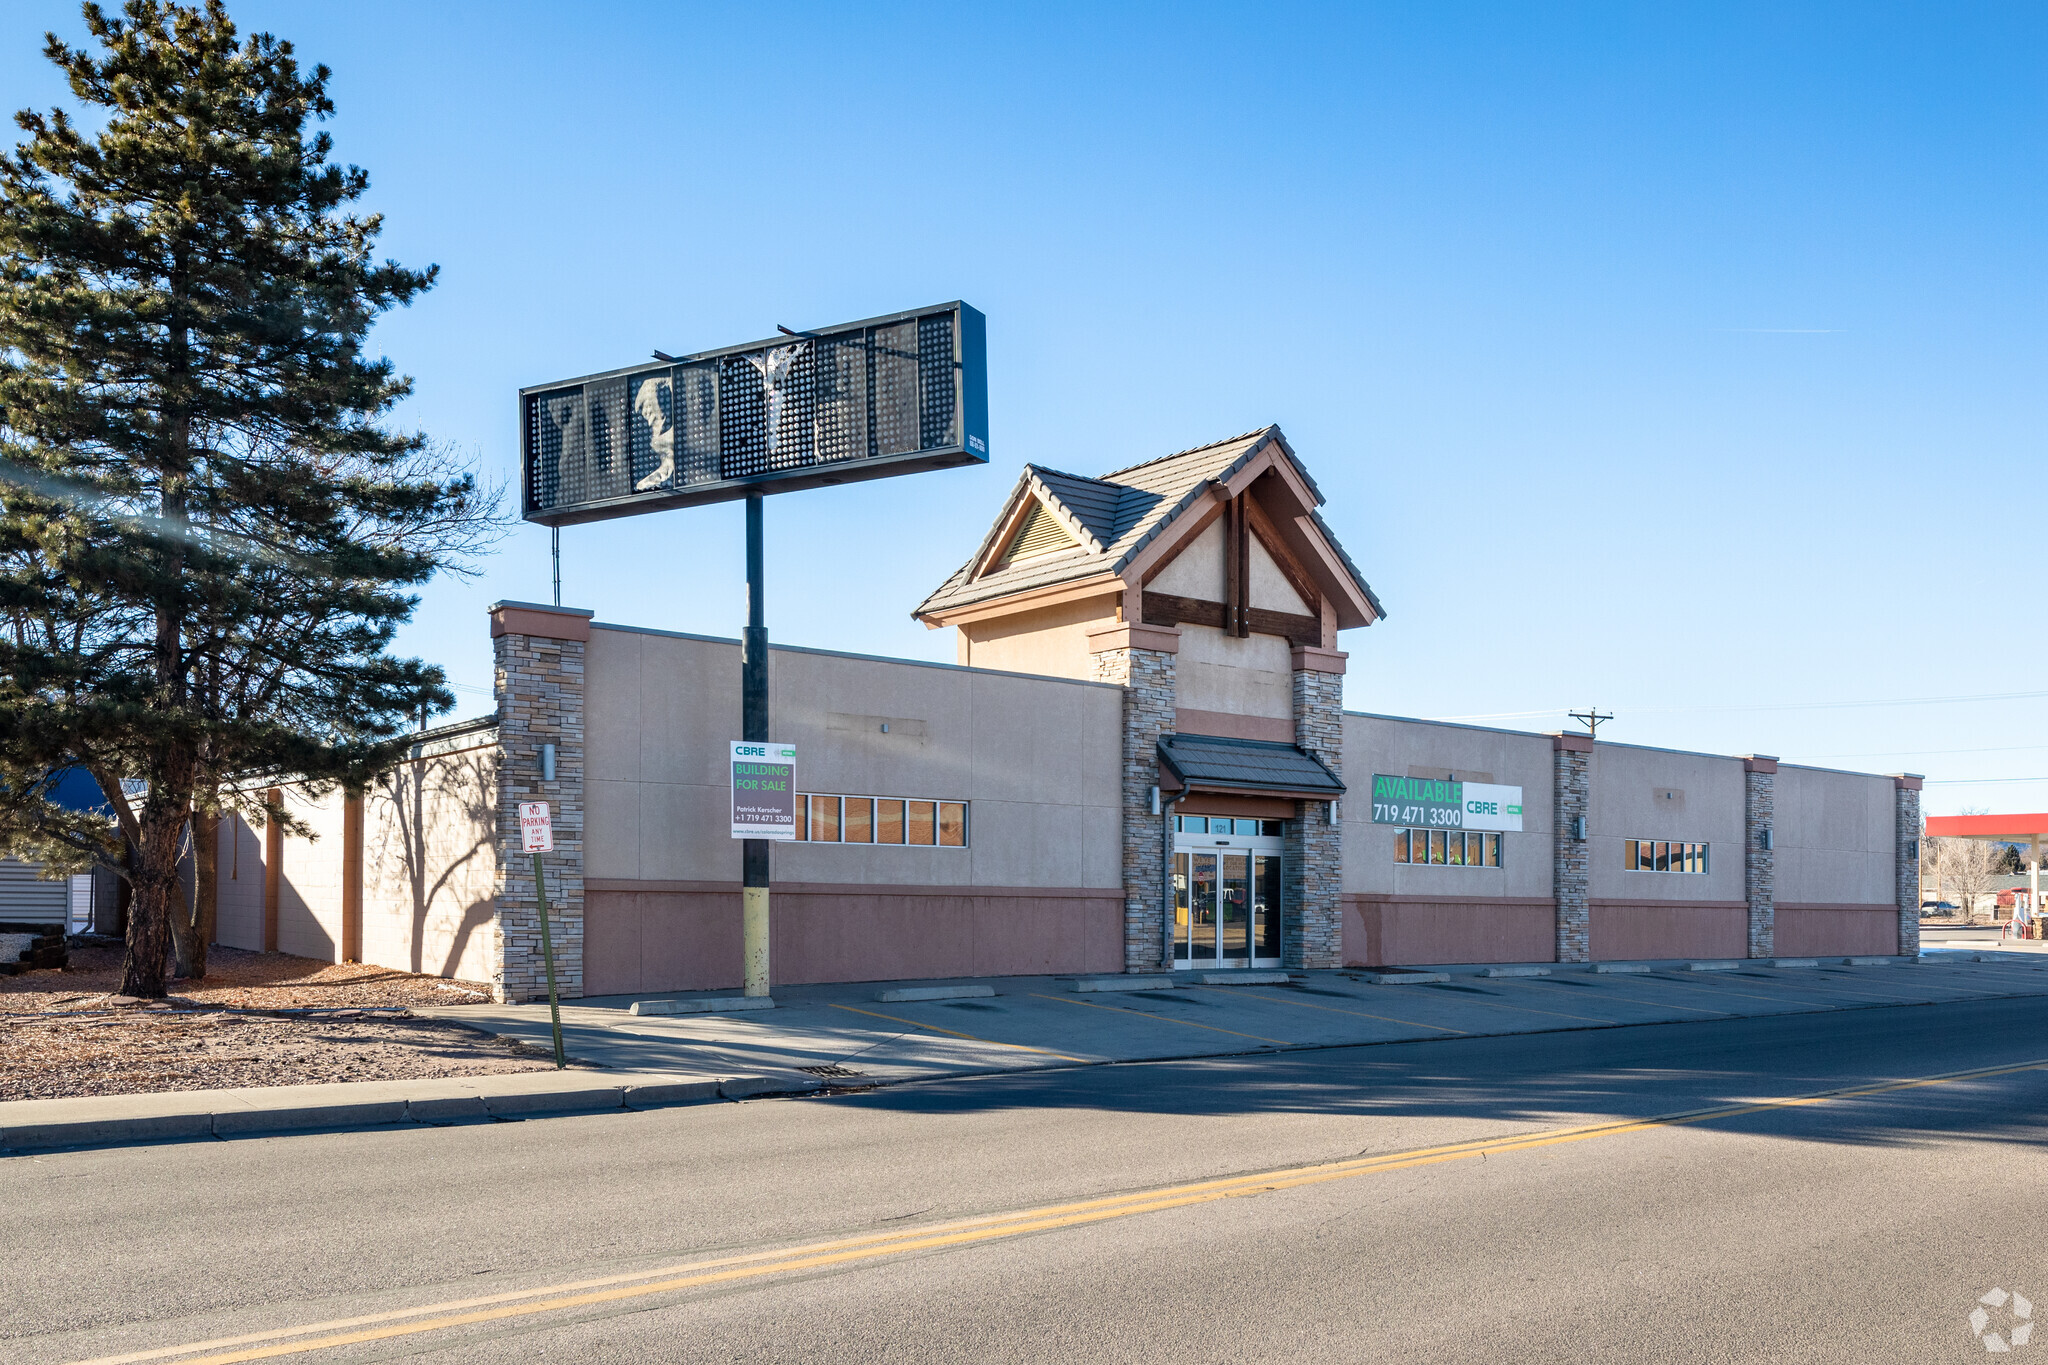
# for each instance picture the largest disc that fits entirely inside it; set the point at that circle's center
(1661, 855)
(1451, 848)
(1220, 824)
(881, 820)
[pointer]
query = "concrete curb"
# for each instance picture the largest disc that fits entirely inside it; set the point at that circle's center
(909, 993)
(715, 1004)
(1087, 984)
(1403, 978)
(1516, 971)
(1621, 968)
(1245, 978)
(194, 1115)
(1715, 966)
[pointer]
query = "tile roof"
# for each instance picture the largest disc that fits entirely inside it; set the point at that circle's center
(1123, 511)
(1248, 764)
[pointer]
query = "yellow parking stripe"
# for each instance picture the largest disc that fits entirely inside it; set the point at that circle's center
(1361, 1014)
(1163, 1018)
(934, 1028)
(551, 1298)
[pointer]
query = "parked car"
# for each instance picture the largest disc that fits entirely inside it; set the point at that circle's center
(1937, 907)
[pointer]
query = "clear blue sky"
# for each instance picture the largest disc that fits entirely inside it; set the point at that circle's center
(1683, 360)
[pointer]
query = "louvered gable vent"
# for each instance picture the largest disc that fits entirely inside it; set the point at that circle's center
(1040, 533)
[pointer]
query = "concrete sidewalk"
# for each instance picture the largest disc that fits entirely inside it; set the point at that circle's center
(849, 1035)
(186, 1115)
(845, 1036)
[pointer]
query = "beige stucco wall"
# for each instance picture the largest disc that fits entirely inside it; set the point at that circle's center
(1376, 744)
(1625, 805)
(1253, 676)
(1199, 571)
(1052, 640)
(429, 863)
(309, 892)
(1038, 758)
(1832, 836)
(238, 903)
(1270, 589)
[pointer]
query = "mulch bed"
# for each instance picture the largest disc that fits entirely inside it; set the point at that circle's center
(255, 1019)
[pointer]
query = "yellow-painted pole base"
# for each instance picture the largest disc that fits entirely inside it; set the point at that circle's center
(754, 937)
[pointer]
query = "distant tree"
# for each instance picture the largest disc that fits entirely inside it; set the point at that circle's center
(207, 540)
(1968, 868)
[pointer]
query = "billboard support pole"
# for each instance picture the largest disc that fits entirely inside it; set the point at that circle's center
(754, 729)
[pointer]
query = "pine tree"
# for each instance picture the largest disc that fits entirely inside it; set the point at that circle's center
(207, 539)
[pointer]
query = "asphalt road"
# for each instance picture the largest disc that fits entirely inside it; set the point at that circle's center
(1486, 1199)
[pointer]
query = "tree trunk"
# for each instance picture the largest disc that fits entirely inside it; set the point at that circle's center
(184, 948)
(206, 889)
(158, 893)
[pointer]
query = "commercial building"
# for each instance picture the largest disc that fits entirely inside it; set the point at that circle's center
(1140, 761)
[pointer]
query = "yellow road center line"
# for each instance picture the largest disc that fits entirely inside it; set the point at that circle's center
(1333, 1009)
(1163, 1018)
(1047, 1052)
(982, 1229)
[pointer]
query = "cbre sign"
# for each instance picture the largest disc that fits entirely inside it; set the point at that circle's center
(1423, 803)
(862, 400)
(763, 790)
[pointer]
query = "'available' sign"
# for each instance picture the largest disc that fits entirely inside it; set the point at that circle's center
(1428, 804)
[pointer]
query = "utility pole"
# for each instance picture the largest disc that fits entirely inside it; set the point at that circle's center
(754, 729)
(1591, 718)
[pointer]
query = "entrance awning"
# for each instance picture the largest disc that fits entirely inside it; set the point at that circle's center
(1248, 767)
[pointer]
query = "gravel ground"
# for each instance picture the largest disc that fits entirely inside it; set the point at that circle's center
(66, 1033)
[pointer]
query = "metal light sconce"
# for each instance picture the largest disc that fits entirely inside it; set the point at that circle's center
(547, 762)
(1578, 829)
(1763, 839)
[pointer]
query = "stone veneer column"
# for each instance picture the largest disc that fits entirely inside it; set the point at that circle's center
(1313, 855)
(1572, 791)
(1140, 659)
(1906, 860)
(539, 653)
(1759, 860)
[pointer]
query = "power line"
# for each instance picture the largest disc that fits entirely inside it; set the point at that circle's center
(1770, 706)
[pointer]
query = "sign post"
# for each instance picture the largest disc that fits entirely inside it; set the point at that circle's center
(537, 836)
(763, 812)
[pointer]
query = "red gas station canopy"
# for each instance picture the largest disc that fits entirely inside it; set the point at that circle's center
(2004, 827)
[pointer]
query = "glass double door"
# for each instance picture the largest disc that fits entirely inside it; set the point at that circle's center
(1226, 903)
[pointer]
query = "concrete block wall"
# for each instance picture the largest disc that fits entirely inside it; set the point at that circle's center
(1906, 867)
(1147, 677)
(1571, 800)
(539, 654)
(1313, 855)
(1759, 776)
